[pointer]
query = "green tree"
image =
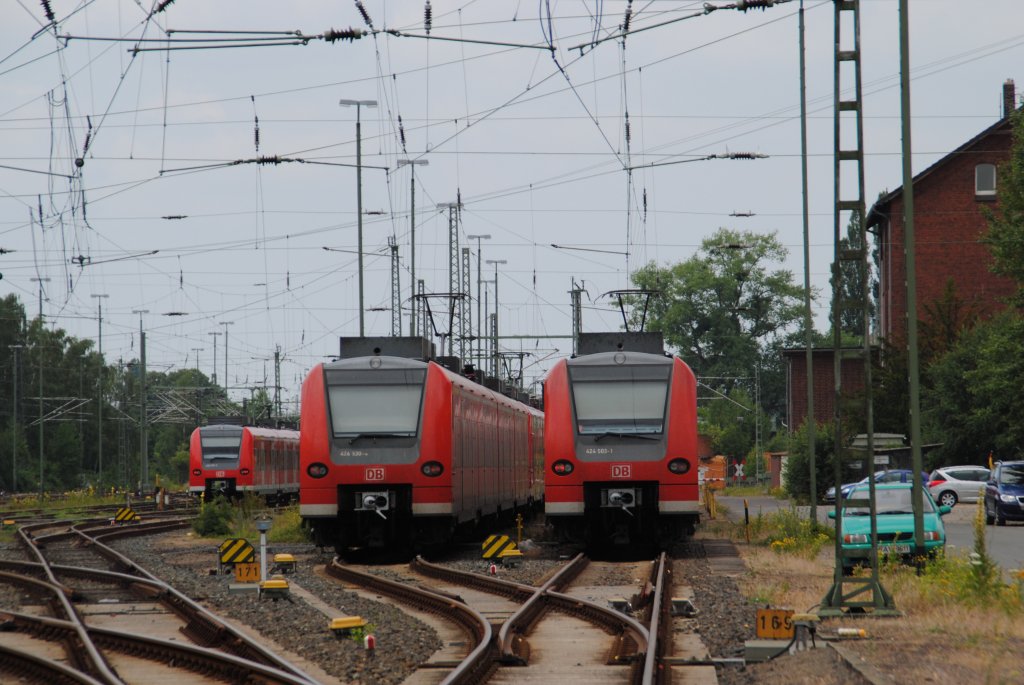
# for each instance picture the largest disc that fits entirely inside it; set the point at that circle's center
(1006, 224)
(973, 392)
(727, 310)
(855, 279)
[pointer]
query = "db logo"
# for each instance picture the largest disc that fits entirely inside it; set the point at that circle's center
(622, 471)
(376, 473)
(220, 474)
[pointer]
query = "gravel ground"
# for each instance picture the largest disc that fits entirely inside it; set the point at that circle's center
(725, 619)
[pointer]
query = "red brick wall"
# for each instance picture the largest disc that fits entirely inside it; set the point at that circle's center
(948, 225)
(824, 384)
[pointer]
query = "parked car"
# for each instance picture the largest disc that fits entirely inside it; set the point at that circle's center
(1004, 493)
(895, 524)
(951, 484)
(890, 476)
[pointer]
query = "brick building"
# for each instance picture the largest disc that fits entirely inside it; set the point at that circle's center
(852, 369)
(948, 229)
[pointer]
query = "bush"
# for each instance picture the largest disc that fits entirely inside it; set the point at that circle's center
(214, 518)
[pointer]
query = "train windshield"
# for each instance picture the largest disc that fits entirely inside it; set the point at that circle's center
(627, 400)
(221, 445)
(375, 403)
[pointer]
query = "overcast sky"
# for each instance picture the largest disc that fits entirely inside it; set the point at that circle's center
(534, 143)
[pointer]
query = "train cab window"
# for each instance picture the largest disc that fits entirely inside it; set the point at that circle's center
(627, 400)
(384, 403)
(221, 445)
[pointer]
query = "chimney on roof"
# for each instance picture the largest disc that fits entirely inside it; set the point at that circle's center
(1009, 97)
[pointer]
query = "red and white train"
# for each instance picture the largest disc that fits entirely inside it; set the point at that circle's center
(621, 444)
(400, 453)
(232, 460)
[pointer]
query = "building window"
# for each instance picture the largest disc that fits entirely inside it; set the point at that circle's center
(985, 181)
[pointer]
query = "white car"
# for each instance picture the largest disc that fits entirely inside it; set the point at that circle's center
(952, 484)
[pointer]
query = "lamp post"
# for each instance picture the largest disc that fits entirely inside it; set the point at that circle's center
(143, 427)
(40, 281)
(14, 422)
(359, 104)
(214, 375)
(412, 236)
(479, 283)
(496, 262)
(226, 324)
(99, 391)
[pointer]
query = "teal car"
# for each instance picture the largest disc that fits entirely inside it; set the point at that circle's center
(895, 524)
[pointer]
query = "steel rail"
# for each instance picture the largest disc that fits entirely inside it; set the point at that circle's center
(480, 662)
(512, 648)
(19, 663)
(208, 662)
(657, 626)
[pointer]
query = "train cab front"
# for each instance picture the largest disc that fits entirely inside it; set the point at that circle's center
(616, 471)
(217, 468)
(374, 409)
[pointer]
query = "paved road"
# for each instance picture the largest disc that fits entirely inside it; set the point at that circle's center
(1005, 543)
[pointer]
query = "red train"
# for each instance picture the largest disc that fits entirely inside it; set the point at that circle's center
(621, 445)
(399, 453)
(232, 460)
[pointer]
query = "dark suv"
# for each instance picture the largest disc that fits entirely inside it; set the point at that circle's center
(1004, 493)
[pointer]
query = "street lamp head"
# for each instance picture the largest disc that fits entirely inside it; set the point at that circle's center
(357, 103)
(497, 261)
(413, 162)
(485, 236)
(99, 295)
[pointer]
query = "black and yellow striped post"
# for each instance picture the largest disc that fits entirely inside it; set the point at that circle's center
(125, 515)
(235, 551)
(502, 548)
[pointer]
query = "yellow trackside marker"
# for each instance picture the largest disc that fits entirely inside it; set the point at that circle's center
(346, 624)
(497, 546)
(774, 624)
(247, 573)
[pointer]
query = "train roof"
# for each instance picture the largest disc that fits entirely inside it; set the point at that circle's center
(254, 430)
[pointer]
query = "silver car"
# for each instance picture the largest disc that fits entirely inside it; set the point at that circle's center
(952, 484)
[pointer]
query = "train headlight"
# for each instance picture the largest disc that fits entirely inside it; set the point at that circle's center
(432, 469)
(562, 467)
(679, 466)
(197, 472)
(317, 470)
(244, 472)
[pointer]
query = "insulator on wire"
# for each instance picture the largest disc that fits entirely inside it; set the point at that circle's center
(628, 136)
(401, 132)
(366, 16)
(349, 34)
(257, 132)
(629, 15)
(744, 5)
(645, 204)
(428, 17)
(162, 6)
(48, 11)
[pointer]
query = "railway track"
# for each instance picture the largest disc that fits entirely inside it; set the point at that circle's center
(85, 613)
(593, 622)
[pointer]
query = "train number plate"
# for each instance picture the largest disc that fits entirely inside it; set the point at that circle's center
(376, 473)
(622, 470)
